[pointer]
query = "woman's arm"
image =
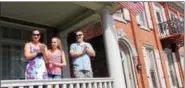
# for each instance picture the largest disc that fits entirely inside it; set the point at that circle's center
(27, 53)
(44, 52)
(63, 63)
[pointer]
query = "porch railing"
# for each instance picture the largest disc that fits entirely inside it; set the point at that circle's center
(171, 27)
(61, 83)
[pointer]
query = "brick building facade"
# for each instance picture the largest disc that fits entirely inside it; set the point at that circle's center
(149, 36)
(143, 51)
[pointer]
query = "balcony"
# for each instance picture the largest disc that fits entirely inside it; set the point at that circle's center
(61, 83)
(172, 30)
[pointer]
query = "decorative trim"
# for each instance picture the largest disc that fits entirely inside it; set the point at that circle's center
(127, 42)
(148, 46)
(120, 20)
(145, 28)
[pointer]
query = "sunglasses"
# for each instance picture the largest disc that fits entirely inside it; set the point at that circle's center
(79, 35)
(36, 34)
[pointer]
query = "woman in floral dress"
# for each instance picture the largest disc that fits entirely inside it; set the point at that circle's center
(36, 56)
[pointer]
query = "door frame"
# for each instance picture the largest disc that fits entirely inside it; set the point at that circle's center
(132, 51)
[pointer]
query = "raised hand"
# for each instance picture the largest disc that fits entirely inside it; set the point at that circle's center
(42, 48)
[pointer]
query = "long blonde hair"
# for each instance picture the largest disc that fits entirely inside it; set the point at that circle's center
(59, 43)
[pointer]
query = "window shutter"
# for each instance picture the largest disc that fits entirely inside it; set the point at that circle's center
(146, 62)
(150, 25)
(126, 14)
(176, 69)
(165, 52)
(159, 68)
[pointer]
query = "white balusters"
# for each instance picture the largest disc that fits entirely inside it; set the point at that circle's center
(57, 86)
(77, 85)
(40, 86)
(89, 85)
(30, 86)
(105, 85)
(64, 86)
(49, 86)
(63, 83)
(95, 85)
(100, 85)
(110, 85)
(83, 85)
(71, 86)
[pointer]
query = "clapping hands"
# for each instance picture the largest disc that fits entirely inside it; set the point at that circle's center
(84, 49)
(42, 48)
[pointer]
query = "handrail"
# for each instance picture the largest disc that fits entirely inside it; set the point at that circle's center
(73, 82)
(171, 27)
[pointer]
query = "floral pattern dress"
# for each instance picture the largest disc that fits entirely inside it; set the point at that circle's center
(35, 67)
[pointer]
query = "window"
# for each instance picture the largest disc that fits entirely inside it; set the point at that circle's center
(119, 14)
(158, 16)
(122, 15)
(150, 63)
(18, 34)
(172, 15)
(141, 18)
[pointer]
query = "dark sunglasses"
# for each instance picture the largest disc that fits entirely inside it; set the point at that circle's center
(36, 34)
(79, 35)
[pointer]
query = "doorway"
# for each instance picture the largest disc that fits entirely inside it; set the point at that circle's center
(128, 65)
(98, 63)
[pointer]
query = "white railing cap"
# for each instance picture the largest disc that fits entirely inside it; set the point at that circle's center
(8, 83)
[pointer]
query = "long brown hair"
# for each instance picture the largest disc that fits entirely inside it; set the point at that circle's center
(59, 43)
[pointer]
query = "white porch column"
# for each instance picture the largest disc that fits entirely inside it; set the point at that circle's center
(66, 70)
(112, 49)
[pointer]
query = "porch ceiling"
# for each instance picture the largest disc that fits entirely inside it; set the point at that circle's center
(54, 14)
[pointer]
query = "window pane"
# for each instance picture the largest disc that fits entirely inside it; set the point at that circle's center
(26, 35)
(152, 73)
(15, 34)
(172, 16)
(158, 17)
(119, 14)
(6, 61)
(141, 18)
(6, 32)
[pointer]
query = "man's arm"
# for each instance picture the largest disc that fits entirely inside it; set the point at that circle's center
(75, 54)
(90, 50)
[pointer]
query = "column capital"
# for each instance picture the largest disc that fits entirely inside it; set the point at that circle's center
(105, 9)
